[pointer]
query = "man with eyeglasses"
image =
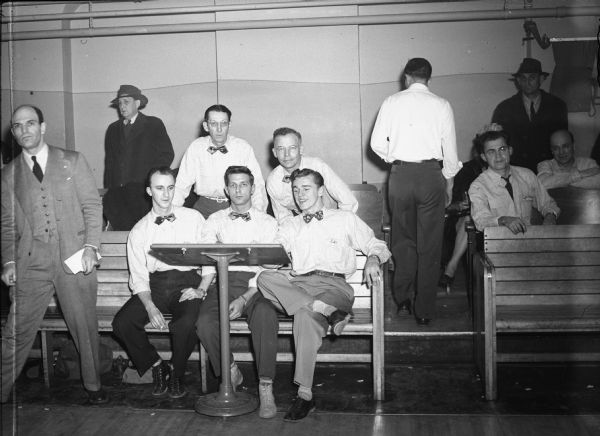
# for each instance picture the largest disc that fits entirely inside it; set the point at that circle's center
(206, 160)
(51, 211)
(288, 149)
(504, 194)
(133, 144)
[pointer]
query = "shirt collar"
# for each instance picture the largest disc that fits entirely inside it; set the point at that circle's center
(132, 120)
(418, 85)
(41, 157)
(497, 177)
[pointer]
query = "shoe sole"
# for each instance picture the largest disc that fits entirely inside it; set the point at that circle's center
(177, 396)
(312, 409)
(339, 327)
(160, 394)
(267, 415)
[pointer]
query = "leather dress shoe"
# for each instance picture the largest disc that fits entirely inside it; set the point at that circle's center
(98, 397)
(338, 320)
(423, 321)
(405, 308)
(300, 408)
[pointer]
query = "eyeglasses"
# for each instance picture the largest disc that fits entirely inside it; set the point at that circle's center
(215, 124)
(26, 125)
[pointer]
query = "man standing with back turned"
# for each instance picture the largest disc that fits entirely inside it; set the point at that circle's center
(414, 131)
(50, 210)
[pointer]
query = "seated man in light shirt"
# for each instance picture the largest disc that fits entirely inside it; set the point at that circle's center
(503, 195)
(566, 169)
(206, 159)
(322, 244)
(241, 223)
(159, 288)
(288, 149)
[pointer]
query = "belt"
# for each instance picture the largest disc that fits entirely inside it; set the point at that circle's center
(318, 272)
(404, 162)
(217, 199)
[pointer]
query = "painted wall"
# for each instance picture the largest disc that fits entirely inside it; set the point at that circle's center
(327, 82)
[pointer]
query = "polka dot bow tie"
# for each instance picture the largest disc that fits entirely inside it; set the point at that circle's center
(309, 216)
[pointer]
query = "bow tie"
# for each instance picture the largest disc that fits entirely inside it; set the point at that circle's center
(309, 216)
(286, 179)
(212, 149)
(235, 215)
(159, 219)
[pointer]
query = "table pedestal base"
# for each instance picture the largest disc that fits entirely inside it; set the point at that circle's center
(216, 404)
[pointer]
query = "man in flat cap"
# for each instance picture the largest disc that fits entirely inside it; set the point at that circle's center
(531, 116)
(133, 145)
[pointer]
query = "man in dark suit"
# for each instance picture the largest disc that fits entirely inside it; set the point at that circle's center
(531, 116)
(133, 145)
(50, 211)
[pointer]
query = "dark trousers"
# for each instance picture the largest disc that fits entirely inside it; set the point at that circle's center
(207, 207)
(417, 200)
(262, 320)
(129, 322)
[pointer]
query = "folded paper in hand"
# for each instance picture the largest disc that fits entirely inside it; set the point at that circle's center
(74, 262)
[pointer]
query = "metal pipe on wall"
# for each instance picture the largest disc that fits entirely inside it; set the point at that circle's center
(428, 17)
(209, 9)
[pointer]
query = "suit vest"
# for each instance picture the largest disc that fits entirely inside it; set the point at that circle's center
(43, 219)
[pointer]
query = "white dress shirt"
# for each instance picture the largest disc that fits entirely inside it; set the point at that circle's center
(329, 244)
(282, 198)
(415, 125)
(554, 176)
(220, 228)
(490, 199)
(186, 228)
(207, 170)
(41, 157)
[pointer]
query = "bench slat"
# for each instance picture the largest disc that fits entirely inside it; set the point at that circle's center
(548, 273)
(111, 250)
(541, 245)
(548, 287)
(545, 259)
(115, 262)
(566, 300)
(546, 232)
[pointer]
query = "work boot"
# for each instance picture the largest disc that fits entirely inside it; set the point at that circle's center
(160, 375)
(176, 387)
(268, 409)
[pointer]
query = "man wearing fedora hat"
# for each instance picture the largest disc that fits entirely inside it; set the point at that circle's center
(530, 116)
(133, 145)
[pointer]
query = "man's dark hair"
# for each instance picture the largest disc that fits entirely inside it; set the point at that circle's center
(304, 172)
(164, 171)
(238, 169)
(282, 131)
(36, 109)
(217, 108)
(490, 135)
(419, 68)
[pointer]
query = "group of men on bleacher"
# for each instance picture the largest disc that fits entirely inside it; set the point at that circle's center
(51, 209)
(320, 241)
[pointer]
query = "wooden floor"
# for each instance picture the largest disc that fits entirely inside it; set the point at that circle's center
(79, 420)
(431, 389)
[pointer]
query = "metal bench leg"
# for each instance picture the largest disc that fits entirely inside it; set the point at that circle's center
(203, 360)
(47, 355)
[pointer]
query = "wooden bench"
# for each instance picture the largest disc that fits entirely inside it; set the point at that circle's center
(544, 281)
(113, 292)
